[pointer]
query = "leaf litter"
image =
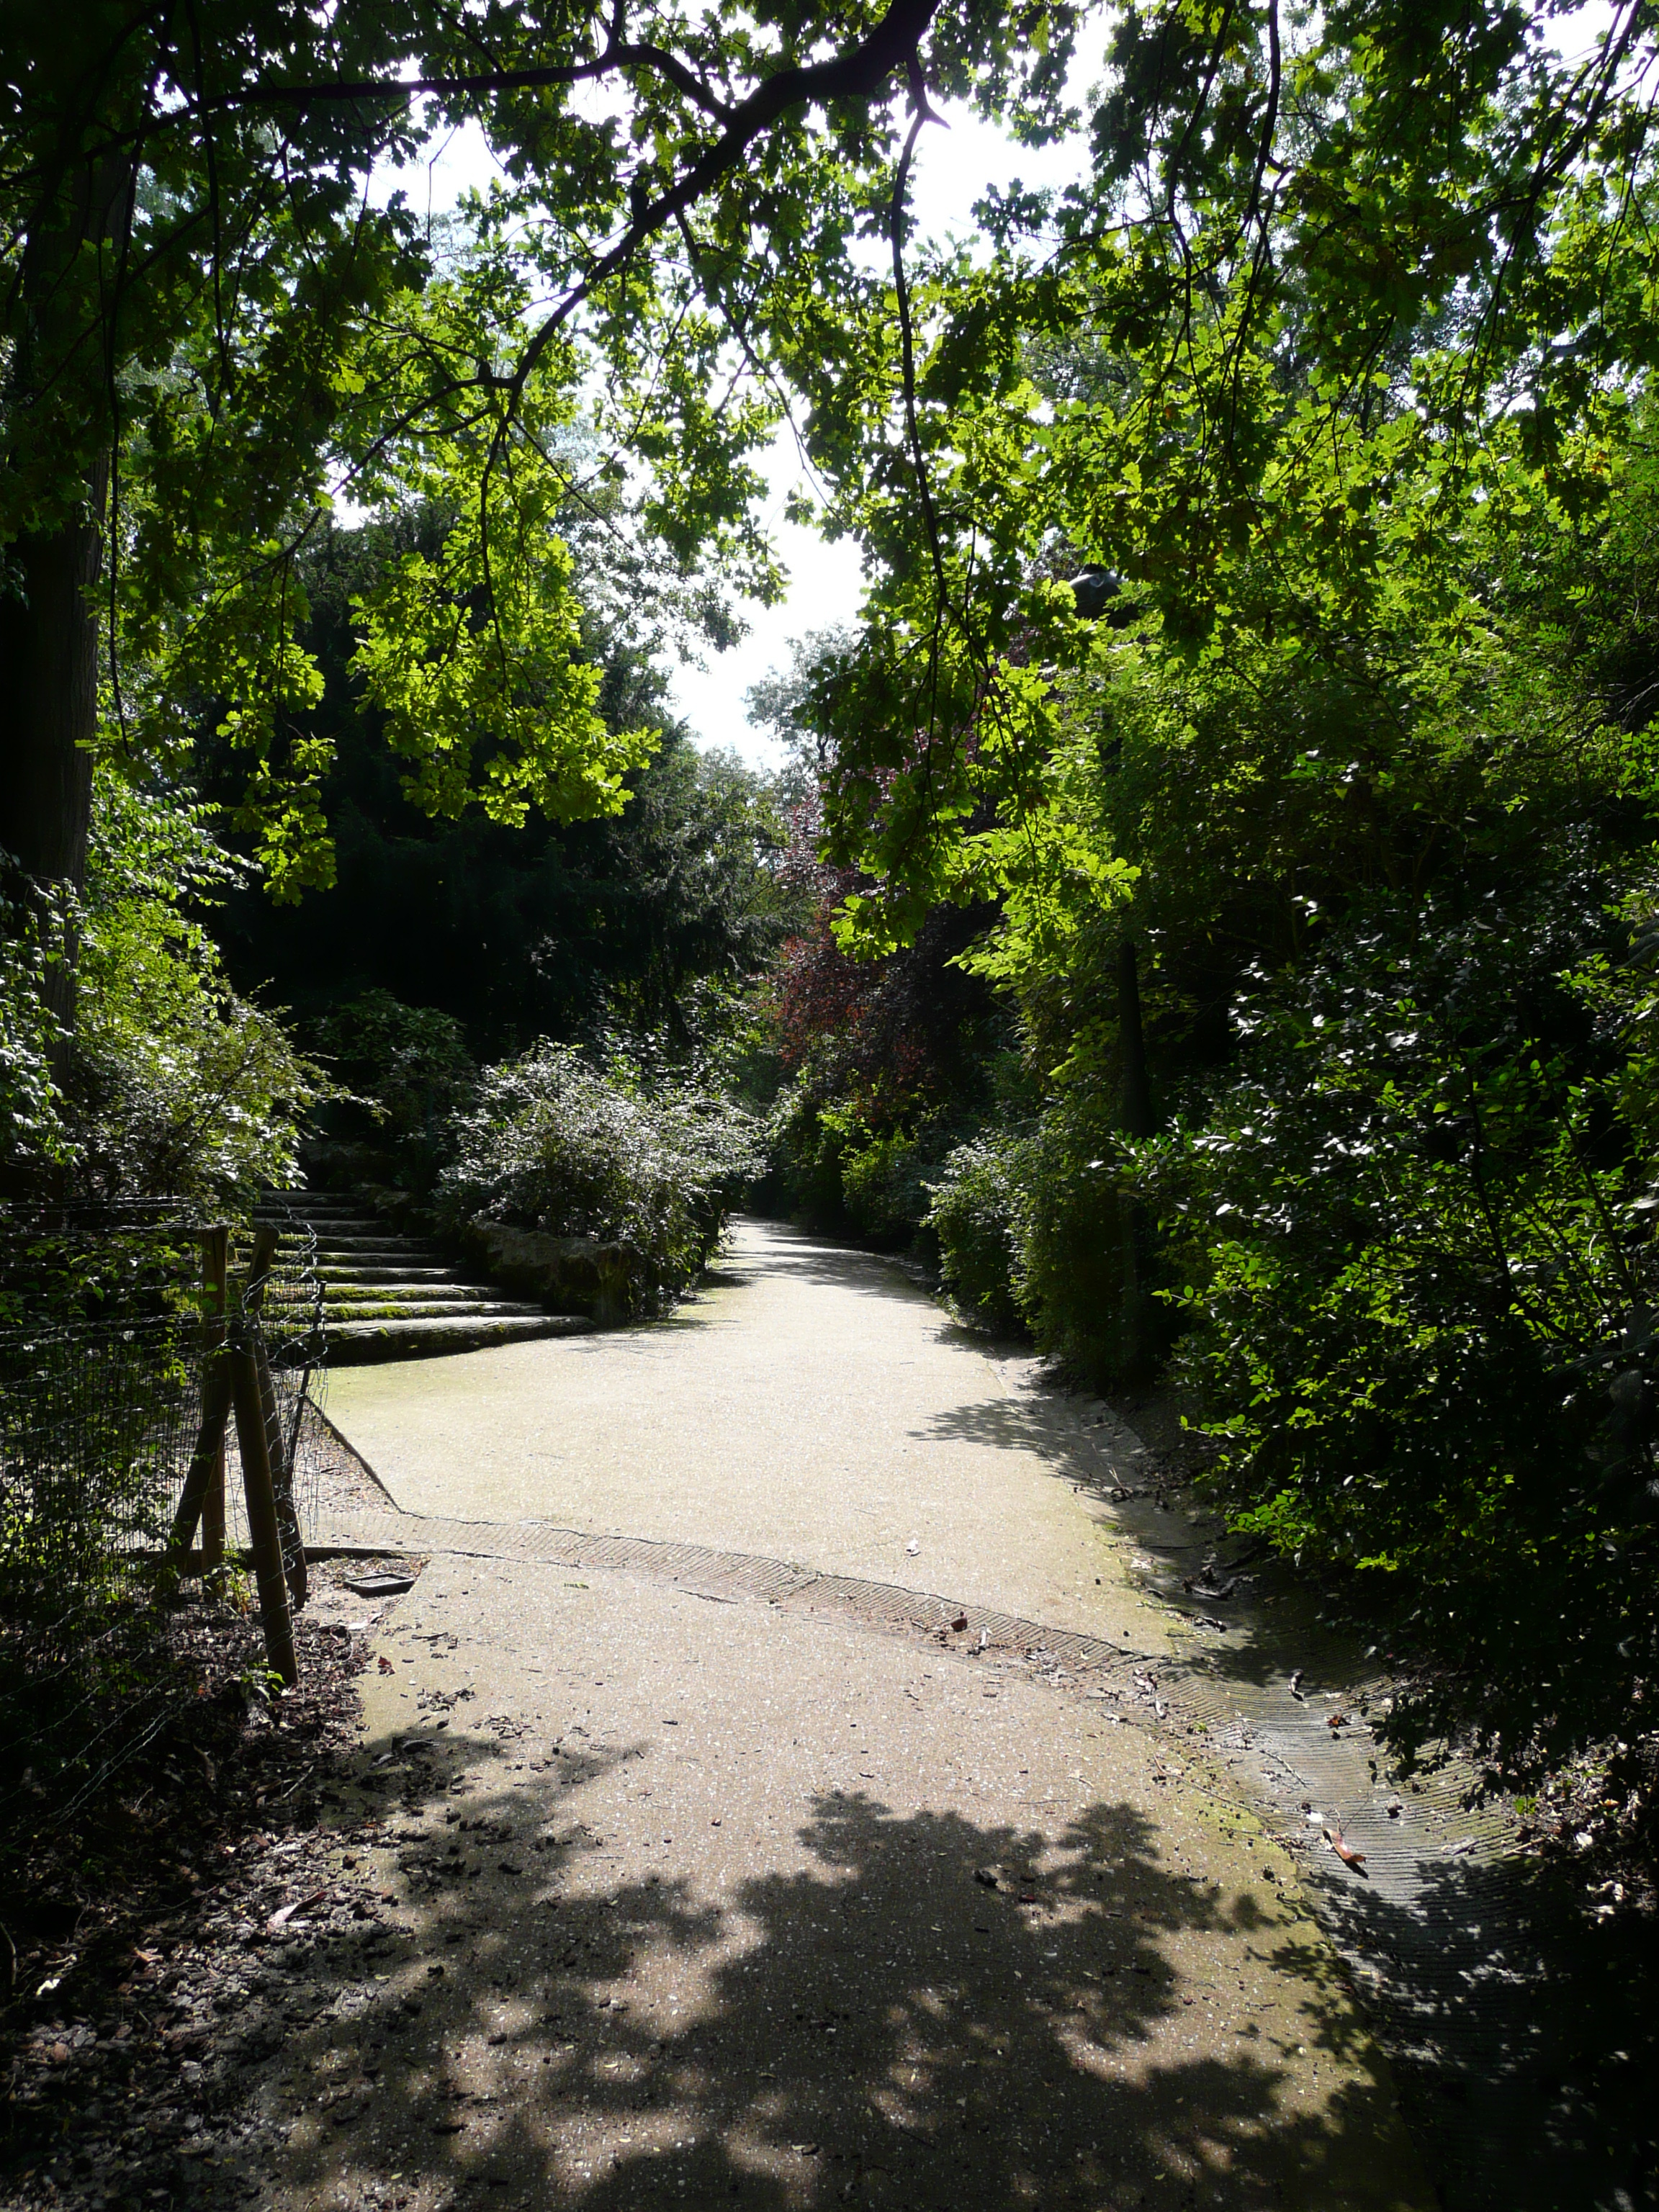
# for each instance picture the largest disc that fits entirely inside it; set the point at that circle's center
(154, 1931)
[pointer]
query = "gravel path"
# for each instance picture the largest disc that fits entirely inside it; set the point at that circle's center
(719, 1884)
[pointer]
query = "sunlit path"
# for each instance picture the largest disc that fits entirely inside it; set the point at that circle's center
(812, 1403)
(707, 1901)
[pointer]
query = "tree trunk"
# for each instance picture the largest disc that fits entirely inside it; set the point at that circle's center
(57, 392)
(48, 703)
(48, 720)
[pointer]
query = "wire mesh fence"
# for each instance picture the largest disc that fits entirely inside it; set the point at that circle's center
(107, 1391)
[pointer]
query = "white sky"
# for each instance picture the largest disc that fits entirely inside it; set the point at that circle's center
(952, 168)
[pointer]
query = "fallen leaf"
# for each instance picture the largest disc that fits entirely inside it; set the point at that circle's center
(1296, 1683)
(1344, 1850)
(387, 1667)
(960, 1622)
(280, 1919)
(1336, 1720)
(986, 1876)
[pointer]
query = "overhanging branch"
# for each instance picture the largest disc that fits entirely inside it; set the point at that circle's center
(859, 75)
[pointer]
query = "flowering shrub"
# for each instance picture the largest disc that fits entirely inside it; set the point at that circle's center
(558, 1143)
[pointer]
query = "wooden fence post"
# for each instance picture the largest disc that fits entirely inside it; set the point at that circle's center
(263, 1530)
(281, 1471)
(232, 1377)
(215, 1269)
(208, 1454)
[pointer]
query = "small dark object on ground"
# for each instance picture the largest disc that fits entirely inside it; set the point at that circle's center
(378, 1585)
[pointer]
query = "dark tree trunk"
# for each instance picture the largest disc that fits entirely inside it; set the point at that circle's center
(48, 703)
(1132, 1040)
(58, 395)
(48, 720)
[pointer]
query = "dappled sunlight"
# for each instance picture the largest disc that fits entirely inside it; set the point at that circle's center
(928, 2011)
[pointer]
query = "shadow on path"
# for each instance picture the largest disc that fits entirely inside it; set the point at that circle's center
(1520, 2037)
(879, 2026)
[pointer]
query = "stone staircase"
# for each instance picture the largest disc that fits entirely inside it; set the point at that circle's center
(389, 1296)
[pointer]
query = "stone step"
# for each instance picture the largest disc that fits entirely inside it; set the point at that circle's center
(389, 1271)
(388, 1296)
(370, 1249)
(435, 1293)
(423, 1310)
(375, 1268)
(361, 1344)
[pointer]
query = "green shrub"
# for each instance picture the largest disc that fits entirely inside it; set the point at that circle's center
(807, 1148)
(1419, 1268)
(882, 1184)
(171, 1083)
(410, 1068)
(557, 1143)
(33, 1137)
(1071, 1238)
(972, 1214)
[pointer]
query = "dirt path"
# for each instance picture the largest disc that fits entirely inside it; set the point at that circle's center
(730, 1871)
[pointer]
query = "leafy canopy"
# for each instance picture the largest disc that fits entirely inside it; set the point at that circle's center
(217, 323)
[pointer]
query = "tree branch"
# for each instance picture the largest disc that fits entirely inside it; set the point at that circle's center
(859, 75)
(618, 54)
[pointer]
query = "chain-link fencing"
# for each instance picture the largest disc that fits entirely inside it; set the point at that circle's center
(114, 1368)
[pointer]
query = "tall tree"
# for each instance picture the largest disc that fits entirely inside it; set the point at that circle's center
(1317, 264)
(212, 326)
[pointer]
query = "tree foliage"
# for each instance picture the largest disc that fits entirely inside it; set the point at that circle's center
(216, 324)
(1262, 634)
(514, 929)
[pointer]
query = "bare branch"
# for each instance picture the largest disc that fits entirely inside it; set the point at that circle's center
(619, 54)
(859, 75)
